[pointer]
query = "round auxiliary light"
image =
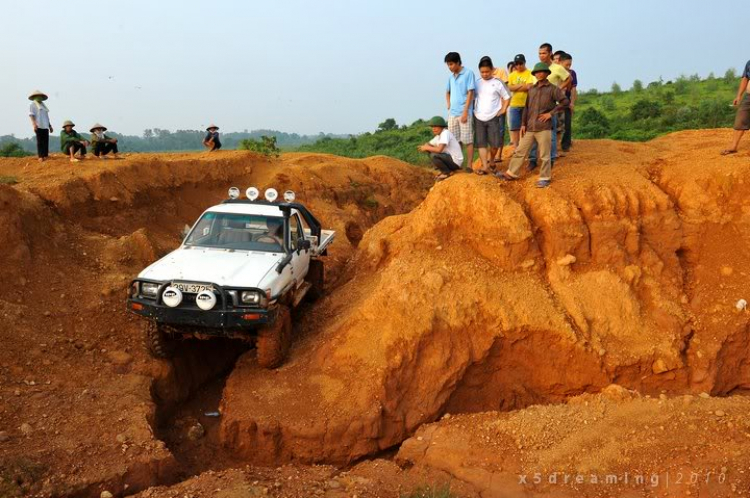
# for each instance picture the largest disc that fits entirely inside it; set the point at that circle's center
(172, 297)
(206, 300)
(252, 193)
(289, 196)
(234, 193)
(271, 195)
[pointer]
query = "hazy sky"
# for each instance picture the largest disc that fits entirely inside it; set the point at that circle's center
(328, 65)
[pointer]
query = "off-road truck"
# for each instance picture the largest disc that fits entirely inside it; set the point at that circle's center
(238, 273)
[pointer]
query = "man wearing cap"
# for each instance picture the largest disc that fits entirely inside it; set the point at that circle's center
(559, 77)
(211, 141)
(102, 143)
(742, 120)
(520, 82)
(543, 102)
(71, 142)
(39, 115)
(445, 151)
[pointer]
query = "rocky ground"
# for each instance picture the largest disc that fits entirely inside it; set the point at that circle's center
(476, 336)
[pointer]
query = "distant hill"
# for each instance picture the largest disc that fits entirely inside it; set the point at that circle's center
(158, 140)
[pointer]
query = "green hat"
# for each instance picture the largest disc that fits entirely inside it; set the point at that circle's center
(68, 123)
(541, 67)
(437, 121)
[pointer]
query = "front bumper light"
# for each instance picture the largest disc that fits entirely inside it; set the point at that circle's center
(149, 290)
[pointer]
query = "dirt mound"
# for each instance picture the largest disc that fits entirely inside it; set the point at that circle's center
(613, 444)
(78, 395)
(447, 308)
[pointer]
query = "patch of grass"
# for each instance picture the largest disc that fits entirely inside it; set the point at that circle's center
(371, 203)
(430, 492)
(8, 180)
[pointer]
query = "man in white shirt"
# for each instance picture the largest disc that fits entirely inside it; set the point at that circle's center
(492, 101)
(445, 151)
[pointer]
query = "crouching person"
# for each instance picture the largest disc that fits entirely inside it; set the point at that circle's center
(72, 143)
(101, 143)
(445, 151)
(211, 140)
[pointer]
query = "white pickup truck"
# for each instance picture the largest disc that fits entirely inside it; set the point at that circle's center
(240, 270)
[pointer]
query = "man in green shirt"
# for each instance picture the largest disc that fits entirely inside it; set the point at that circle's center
(71, 142)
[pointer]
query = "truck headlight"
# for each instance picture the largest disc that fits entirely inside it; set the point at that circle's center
(149, 289)
(250, 297)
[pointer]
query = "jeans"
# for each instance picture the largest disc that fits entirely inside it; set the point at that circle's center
(532, 154)
(444, 163)
(42, 142)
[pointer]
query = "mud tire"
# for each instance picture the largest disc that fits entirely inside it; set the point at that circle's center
(275, 340)
(159, 342)
(316, 276)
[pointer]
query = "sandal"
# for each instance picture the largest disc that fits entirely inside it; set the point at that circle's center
(726, 152)
(480, 172)
(505, 176)
(440, 178)
(543, 183)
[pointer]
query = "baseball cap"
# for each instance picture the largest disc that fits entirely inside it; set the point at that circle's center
(519, 59)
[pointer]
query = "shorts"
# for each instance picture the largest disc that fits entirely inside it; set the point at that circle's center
(515, 114)
(492, 132)
(742, 121)
(464, 132)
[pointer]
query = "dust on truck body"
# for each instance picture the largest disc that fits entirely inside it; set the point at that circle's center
(241, 269)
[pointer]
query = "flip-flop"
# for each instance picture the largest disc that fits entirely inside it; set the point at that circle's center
(727, 152)
(543, 183)
(505, 177)
(480, 172)
(440, 178)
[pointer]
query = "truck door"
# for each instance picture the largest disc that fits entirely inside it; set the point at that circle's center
(300, 256)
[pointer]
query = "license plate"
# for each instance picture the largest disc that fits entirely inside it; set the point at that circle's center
(192, 288)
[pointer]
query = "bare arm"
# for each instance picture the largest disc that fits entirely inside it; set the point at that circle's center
(33, 122)
(741, 90)
(448, 100)
(504, 108)
(573, 96)
(428, 147)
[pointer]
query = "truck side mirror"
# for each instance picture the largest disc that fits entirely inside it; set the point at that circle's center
(305, 244)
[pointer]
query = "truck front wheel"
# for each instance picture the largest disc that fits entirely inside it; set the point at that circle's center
(275, 340)
(158, 341)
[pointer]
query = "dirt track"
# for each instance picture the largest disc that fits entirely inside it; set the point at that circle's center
(485, 297)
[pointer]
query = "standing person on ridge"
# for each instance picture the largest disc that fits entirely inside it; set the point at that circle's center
(39, 115)
(560, 78)
(459, 97)
(520, 82)
(545, 99)
(742, 120)
(489, 115)
(566, 61)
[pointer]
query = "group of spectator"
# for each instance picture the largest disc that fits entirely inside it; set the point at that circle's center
(71, 142)
(74, 145)
(537, 105)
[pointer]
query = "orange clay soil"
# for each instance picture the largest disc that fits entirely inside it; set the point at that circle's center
(479, 296)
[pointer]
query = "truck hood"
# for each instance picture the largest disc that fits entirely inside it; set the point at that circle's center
(230, 269)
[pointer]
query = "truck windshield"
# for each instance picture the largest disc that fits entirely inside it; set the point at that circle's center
(243, 232)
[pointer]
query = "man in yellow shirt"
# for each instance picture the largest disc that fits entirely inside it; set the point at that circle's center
(520, 82)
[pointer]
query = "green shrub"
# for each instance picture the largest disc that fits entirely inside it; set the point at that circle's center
(644, 109)
(13, 149)
(266, 145)
(430, 492)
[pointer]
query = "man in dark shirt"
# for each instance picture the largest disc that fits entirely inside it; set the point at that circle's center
(545, 100)
(212, 141)
(742, 121)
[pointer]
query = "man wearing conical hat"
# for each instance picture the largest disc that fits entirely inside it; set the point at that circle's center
(211, 141)
(101, 143)
(71, 142)
(39, 115)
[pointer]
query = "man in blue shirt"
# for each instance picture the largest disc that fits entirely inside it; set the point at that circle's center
(459, 97)
(742, 121)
